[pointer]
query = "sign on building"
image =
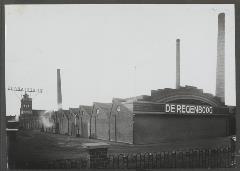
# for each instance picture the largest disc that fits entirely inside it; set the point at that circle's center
(188, 109)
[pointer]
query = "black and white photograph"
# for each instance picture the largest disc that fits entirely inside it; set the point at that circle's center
(120, 86)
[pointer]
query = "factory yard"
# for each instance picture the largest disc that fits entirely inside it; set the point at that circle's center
(38, 146)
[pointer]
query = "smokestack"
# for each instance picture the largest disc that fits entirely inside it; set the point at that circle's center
(220, 74)
(59, 90)
(177, 63)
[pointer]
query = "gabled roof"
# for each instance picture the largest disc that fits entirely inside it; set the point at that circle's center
(106, 107)
(127, 107)
(74, 110)
(87, 109)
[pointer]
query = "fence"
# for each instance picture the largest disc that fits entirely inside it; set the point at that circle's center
(197, 158)
(215, 158)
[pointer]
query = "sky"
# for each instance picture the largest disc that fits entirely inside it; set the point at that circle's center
(107, 51)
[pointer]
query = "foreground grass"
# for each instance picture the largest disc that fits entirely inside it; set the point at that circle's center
(36, 145)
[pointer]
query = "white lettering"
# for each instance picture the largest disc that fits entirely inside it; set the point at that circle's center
(211, 111)
(178, 108)
(168, 108)
(207, 110)
(187, 109)
(172, 108)
(204, 108)
(200, 109)
(195, 109)
(183, 108)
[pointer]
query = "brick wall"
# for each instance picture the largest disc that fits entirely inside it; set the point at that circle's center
(102, 126)
(159, 128)
(63, 126)
(148, 107)
(124, 124)
(92, 127)
(72, 126)
(112, 128)
(85, 126)
(100, 121)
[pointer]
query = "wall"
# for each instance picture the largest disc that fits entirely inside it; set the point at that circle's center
(78, 129)
(102, 126)
(72, 127)
(102, 122)
(112, 128)
(162, 128)
(30, 122)
(85, 126)
(124, 124)
(63, 123)
(92, 126)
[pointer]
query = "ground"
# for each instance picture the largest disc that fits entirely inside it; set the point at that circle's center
(36, 145)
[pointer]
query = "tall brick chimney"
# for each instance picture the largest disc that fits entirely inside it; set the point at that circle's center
(177, 63)
(220, 73)
(59, 90)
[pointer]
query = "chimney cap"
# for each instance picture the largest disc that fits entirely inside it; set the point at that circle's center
(221, 14)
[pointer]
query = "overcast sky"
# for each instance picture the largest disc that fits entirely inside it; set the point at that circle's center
(107, 51)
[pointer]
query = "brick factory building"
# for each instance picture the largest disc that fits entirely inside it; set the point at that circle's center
(171, 115)
(167, 115)
(29, 118)
(73, 122)
(184, 113)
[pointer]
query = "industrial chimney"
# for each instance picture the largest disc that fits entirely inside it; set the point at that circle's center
(220, 73)
(59, 90)
(177, 63)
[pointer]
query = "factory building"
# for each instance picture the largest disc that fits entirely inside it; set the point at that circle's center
(166, 115)
(183, 113)
(173, 116)
(72, 122)
(29, 118)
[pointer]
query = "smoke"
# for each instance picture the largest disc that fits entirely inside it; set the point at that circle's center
(45, 119)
